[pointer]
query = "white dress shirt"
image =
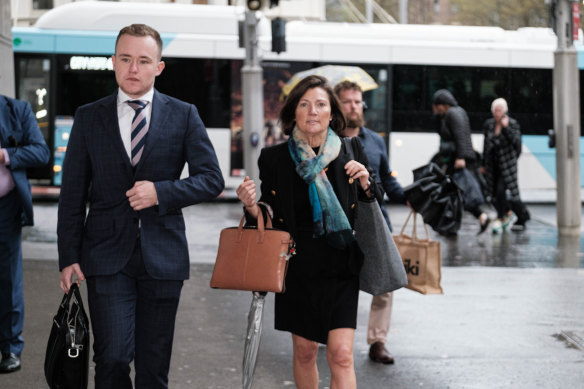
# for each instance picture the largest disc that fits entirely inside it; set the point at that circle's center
(126, 114)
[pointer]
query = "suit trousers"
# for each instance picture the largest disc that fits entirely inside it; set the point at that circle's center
(379, 318)
(11, 289)
(133, 318)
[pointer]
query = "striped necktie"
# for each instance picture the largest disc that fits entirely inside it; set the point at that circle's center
(139, 129)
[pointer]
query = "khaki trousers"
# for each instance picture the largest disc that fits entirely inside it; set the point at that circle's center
(379, 318)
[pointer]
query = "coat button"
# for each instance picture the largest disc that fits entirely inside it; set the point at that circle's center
(351, 180)
(273, 193)
(281, 220)
(353, 206)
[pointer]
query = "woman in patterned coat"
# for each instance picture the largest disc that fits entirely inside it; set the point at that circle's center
(502, 147)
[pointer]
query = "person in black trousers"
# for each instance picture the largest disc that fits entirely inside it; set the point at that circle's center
(502, 147)
(456, 151)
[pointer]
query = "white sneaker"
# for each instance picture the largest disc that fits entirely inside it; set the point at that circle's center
(497, 226)
(509, 220)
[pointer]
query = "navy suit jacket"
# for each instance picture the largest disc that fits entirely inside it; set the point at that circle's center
(21, 137)
(97, 171)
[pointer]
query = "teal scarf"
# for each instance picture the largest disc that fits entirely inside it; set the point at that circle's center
(327, 214)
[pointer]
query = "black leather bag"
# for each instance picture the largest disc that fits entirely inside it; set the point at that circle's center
(473, 194)
(67, 356)
(436, 197)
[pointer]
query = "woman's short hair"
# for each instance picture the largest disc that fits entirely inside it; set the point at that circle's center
(499, 102)
(288, 111)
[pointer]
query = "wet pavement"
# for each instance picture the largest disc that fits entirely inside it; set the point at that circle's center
(511, 316)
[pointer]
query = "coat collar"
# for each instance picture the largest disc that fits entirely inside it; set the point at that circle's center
(159, 116)
(108, 109)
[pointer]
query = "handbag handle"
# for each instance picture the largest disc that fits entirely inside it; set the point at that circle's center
(261, 228)
(414, 231)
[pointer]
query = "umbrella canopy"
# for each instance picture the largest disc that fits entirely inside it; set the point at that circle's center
(335, 74)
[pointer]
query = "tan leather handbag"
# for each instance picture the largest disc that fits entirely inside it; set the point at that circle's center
(252, 258)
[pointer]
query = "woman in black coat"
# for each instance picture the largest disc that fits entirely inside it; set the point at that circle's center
(310, 187)
(502, 147)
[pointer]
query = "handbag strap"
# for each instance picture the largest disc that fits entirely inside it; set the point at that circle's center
(414, 230)
(261, 227)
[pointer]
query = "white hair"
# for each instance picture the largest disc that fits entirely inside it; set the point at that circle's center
(499, 102)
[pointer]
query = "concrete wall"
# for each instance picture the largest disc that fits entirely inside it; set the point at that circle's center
(6, 56)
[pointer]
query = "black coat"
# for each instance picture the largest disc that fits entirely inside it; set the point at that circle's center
(277, 170)
(455, 141)
(502, 152)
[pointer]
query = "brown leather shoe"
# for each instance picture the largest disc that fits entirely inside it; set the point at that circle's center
(378, 353)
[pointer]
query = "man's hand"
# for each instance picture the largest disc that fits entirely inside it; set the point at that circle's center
(67, 276)
(142, 195)
(459, 163)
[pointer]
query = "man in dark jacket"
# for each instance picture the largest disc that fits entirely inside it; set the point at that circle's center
(21, 146)
(456, 151)
(351, 98)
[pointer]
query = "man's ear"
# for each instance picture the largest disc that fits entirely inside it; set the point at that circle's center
(160, 68)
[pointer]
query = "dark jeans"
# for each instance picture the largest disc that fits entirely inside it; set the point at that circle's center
(11, 285)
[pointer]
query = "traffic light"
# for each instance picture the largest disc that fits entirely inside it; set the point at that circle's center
(278, 35)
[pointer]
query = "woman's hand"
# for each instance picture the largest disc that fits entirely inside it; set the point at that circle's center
(357, 170)
(246, 192)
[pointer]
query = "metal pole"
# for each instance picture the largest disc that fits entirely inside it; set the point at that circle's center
(403, 11)
(369, 11)
(6, 53)
(253, 99)
(567, 122)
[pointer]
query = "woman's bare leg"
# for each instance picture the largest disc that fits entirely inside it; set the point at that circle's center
(305, 369)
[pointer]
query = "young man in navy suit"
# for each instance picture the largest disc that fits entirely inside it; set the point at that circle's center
(21, 146)
(124, 160)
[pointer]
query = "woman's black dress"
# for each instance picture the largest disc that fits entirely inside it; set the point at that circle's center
(322, 293)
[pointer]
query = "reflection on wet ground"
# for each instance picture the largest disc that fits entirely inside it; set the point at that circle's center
(538, 246)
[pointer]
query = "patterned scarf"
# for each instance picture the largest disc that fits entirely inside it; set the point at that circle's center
(327, 214)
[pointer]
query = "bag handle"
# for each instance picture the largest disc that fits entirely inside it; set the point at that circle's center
(414, 230)
(261, 228)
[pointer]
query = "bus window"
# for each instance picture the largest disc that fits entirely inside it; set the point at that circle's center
(376, 116)
(531, 102)
(33, 85)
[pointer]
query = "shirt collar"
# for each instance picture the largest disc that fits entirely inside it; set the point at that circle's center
(123, 97)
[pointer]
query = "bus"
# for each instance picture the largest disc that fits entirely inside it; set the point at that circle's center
(64, 61)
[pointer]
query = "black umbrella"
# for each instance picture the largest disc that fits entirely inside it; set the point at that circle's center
(437, 197)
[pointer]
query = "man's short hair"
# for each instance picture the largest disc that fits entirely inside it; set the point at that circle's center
(347, 85)
(142, 30)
